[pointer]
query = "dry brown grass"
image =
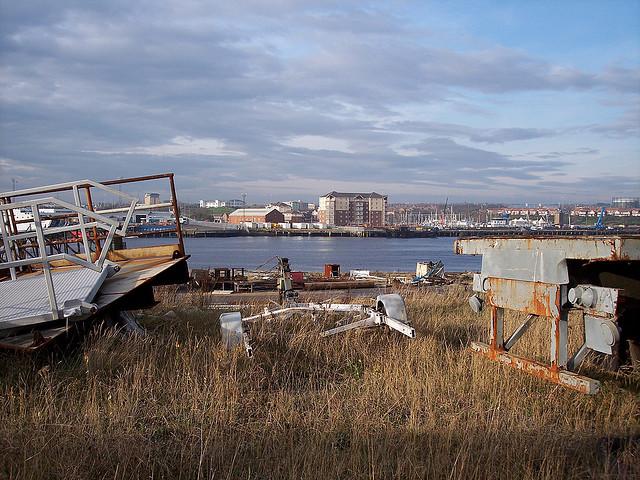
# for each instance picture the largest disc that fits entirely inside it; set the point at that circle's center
(176, 404)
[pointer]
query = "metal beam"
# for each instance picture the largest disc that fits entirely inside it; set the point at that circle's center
(556, 375)
(585, 248)
(524, 326)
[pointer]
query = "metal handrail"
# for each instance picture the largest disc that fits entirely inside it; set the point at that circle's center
(95, 220)
(9, 197)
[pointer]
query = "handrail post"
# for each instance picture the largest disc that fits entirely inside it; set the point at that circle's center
(6, 243)
(83, 229)
(176, 214)
(96, 240)
(46, 267)
(12, 227)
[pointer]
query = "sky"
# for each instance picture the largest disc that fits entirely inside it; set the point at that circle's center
(478, 101)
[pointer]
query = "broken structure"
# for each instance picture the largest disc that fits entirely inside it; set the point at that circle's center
(389, 311)
(546, 278)
(72, 266)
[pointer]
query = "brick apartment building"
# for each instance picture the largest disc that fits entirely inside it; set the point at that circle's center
(342, 209)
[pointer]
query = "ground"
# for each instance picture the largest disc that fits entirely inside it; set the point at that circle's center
(369, 404)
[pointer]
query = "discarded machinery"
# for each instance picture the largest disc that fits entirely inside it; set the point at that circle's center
(389, 311)
(548, 277)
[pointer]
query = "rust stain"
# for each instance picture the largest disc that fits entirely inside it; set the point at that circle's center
(540, 301)
(539, 370)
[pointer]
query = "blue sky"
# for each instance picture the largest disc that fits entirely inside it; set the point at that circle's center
(474, 101)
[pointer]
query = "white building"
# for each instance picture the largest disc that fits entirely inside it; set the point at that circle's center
(212, 203)
(151, 198)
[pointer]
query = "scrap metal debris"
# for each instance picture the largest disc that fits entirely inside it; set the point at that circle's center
(430, 273)
(390, 311)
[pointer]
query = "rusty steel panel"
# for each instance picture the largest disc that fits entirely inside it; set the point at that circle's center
(534, 298)
(606, 248)
(560, 376)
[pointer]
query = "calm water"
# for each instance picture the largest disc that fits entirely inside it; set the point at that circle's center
(311, 253)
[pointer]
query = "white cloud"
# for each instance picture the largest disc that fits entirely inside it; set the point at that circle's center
(353, 95)
(210, 147)
(14, 166)
(319, 142)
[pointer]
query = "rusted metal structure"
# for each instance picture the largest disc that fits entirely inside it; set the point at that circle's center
(548, 277)
(73, 268)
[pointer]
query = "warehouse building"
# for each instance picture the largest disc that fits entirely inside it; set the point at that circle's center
(342, 209)
(256, 215)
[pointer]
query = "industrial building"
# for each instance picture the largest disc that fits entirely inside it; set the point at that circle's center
(609, 211)
(256, 215)
(212, 203)
(299, 205)
(341, 209)
(281, 207)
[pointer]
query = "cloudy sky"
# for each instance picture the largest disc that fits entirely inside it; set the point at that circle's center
(475, 101)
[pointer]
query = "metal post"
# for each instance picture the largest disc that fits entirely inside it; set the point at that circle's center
(107, 243)
(176, 213)
(7, 245)
(559, 335)
(85, 240)
(46, 267)
(244, 208)
(96, 240)
(12, 228)
(496, 333)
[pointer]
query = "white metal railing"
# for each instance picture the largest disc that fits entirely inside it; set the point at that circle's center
(86, 219)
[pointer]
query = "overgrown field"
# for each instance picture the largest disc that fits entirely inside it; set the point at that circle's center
(368, 404)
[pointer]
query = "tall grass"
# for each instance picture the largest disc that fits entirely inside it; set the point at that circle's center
(368, 404)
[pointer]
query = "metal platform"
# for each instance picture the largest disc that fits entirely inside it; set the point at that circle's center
(129, 289)
(25, 301)
(63, 275)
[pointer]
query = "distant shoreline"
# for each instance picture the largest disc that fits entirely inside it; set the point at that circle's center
(395, 233)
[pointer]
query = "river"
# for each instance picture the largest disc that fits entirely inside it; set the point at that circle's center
(311, 253)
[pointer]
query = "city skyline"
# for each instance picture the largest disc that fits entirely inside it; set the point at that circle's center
(422, 101)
